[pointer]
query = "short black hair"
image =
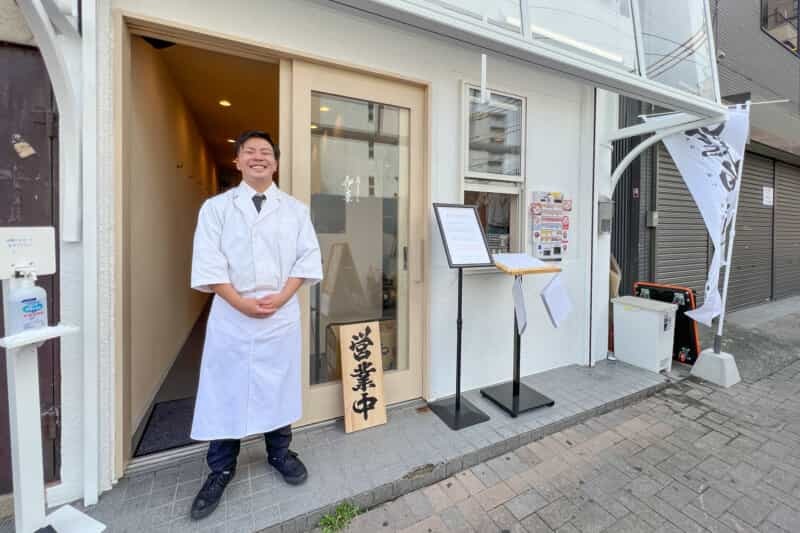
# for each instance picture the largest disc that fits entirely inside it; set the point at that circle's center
(256, 134)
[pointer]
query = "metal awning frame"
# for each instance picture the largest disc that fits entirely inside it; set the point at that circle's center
(678, 124)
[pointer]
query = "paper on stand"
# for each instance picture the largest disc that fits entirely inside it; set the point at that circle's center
(556, 301)
(519, 305)
(463, 236)
(518, 261)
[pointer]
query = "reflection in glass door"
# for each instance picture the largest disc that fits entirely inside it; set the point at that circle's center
(359, 177)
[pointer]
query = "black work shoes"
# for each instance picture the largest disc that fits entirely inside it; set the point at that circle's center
(291, 468)
(208, 498)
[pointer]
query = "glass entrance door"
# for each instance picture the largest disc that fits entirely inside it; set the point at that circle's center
(359, 205)
(357, 160)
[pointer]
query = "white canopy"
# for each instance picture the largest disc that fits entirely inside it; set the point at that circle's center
(656, 51)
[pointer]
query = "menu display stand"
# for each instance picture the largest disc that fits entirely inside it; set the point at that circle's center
(513, 396)
(466, 247)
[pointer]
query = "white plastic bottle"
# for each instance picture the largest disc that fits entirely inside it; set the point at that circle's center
(27, 306)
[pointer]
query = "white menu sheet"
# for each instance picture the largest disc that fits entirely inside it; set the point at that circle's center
(463, 236)
(519, 261)
(519, 305)
(556, 301)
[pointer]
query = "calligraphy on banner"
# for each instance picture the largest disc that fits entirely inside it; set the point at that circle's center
(362, 376)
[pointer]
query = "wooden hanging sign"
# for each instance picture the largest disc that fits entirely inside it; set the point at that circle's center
(362, 376)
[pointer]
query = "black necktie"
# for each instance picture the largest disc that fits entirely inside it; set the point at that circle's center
(258, 199)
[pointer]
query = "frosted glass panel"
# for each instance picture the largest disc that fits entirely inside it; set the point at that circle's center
(504, 12)
(676, 45)
(602, 29)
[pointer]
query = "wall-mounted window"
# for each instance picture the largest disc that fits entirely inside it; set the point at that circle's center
(779, 18)
(494, 165)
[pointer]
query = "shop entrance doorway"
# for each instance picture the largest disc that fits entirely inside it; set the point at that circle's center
(352, 149)
(185, 108)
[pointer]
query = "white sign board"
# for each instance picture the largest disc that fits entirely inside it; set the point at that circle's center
(25, 246)
(464, 239)
(768, 198)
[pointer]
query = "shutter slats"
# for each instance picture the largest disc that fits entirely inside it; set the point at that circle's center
(681, 236)
(751, 281)
(787, 230)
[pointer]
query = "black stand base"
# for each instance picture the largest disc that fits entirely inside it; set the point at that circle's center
(468, 415)
(503, 396)
(46, 529)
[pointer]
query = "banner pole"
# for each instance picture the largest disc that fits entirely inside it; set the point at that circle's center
(731, 234)
(729, 255)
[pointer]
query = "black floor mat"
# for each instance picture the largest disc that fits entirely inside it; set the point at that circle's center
(168, 427)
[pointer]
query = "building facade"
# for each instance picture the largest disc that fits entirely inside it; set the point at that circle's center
(381, 108)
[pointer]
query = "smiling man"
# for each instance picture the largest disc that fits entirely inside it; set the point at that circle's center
(254, 247)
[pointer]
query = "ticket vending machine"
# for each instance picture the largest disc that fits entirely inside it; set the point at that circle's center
(25, 253)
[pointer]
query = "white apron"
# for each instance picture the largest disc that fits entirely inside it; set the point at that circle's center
(250, 374)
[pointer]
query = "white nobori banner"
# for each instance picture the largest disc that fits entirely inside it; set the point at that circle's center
(710, 161)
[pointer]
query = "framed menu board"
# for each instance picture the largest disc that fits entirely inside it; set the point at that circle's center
(463, 236)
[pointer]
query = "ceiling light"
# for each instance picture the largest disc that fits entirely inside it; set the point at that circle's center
(324, 108)
(232, 141)
(314, 126)
(225, 103)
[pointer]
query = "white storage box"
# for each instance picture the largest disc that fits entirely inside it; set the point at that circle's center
(644, 332)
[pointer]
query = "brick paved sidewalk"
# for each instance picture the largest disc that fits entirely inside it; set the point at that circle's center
(693, 458)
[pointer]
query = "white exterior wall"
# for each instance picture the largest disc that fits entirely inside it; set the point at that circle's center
(606, 119)
(559, 157)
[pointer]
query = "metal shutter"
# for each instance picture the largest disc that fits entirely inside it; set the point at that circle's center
(787, 231)
(681, 236)
(751, 277)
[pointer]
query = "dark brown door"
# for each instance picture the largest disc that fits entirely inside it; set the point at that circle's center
(29, 197)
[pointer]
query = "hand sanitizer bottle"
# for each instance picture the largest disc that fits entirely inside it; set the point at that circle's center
(27, 305)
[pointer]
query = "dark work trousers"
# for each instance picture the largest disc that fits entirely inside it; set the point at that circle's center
(222, 454)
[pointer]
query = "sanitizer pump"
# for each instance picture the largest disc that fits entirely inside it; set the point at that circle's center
(26, 304)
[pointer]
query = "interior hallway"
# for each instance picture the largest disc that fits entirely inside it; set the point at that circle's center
(182, 133)
(168, 423)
